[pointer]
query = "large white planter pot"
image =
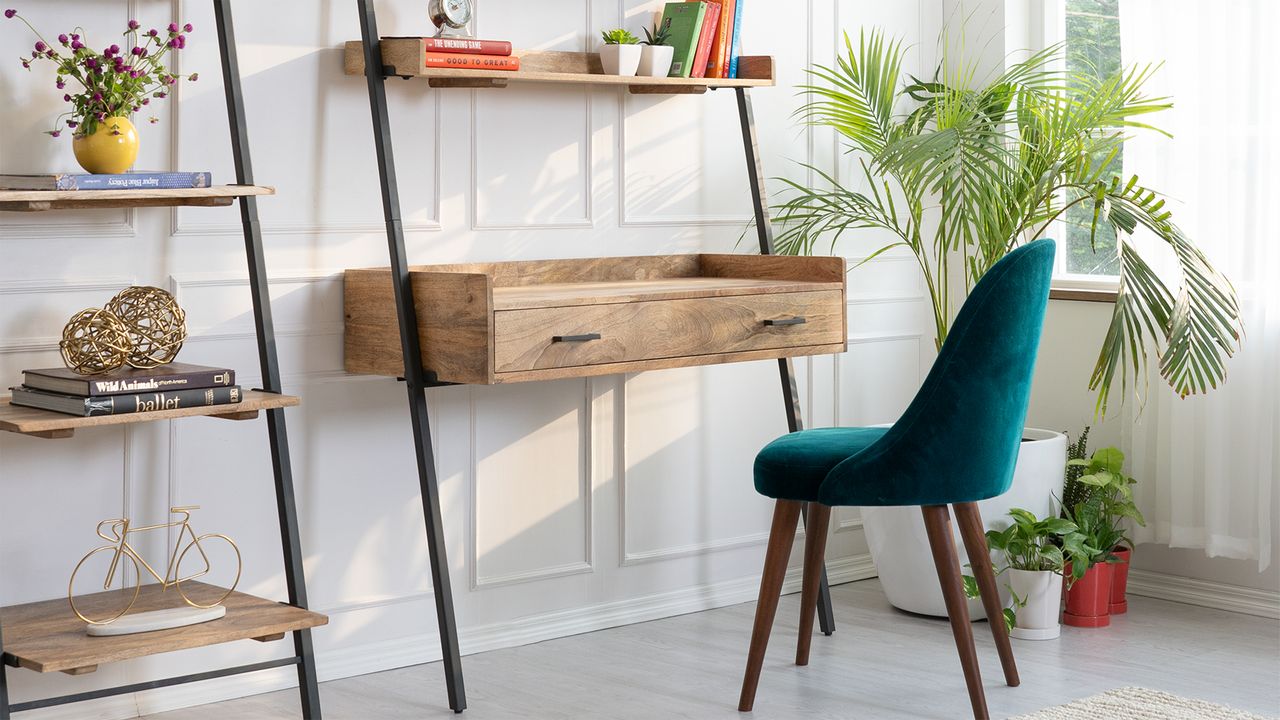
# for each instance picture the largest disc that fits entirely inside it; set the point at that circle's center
(1042, 591)
(620, 59)
(900, 548)
(655, 60)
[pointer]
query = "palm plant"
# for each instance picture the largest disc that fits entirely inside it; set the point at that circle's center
(960, 173)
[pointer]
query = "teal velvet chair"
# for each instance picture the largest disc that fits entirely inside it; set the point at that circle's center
(956, 444)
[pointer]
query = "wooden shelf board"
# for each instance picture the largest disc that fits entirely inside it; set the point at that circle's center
(603, 293)
(41, 200)
(42, 423)
(47, 637)
(545, 66)
(682, 361)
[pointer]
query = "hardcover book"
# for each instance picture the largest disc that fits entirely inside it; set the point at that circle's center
(735, 42)
(470, 46)
(706, 39)
(720, 51)
(126, 381)
(124, 181)
(124, 404)
(468, 62)
(683, 21)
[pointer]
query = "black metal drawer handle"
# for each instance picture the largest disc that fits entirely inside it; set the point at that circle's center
(575, 338)
(788, 321)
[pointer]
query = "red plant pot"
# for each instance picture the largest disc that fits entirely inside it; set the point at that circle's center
(1120, 581)
(1089, 599)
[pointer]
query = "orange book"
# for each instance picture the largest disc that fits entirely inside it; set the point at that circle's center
(710, 25)
(718, 60)
(468, 62)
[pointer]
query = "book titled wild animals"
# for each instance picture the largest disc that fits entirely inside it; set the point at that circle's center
(127, 381)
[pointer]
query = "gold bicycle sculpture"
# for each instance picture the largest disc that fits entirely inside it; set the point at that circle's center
(117, 532)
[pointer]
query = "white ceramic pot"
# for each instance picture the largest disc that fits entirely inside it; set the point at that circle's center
(1042, 591)
(655, 60)
(900, 548)
(620, 59)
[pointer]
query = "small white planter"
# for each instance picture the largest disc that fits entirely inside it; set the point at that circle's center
(655, 60)
(620, 59)
(1042, 591)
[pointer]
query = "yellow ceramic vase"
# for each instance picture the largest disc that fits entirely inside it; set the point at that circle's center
(109, 150)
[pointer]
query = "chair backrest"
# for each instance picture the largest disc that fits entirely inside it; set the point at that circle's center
(958, 440)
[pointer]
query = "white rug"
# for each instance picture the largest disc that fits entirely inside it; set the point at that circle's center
(1134, 703)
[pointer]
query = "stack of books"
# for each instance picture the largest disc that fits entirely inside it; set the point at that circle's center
(705, 35)
(467, 54)
(125, 181)
(127, 390)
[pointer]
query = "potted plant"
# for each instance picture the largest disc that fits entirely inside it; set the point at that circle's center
(106, 88)
(957, 170)
(656, 55)
(1032, 555)
(620, 54)
(1090, 572)
(1101, 482)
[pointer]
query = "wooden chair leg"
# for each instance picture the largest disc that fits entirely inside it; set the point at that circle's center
(975, 543)
(937, 523)
(786, 515)
(815, 553)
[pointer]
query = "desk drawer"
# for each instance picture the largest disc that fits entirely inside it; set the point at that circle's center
(542, 338)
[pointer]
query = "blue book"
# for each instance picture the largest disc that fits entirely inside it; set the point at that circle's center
(124, 181)
(735, 48)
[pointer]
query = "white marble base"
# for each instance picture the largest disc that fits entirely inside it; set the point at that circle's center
(158, 620)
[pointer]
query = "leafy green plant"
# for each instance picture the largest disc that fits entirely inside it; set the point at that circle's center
(619, 37)
(1075, 492)
(1112, 490)
(658, 36)
(959, 172)
(1031, 544)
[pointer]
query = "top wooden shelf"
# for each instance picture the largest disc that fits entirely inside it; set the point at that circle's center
(403, 58)
(39, 200)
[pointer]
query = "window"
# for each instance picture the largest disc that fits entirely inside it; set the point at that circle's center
(1091, 31)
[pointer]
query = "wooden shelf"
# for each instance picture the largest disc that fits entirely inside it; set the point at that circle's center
(48, 637)
(40, 200)
(42, 423)
(403, 57)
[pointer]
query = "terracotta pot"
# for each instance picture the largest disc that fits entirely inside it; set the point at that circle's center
(110, 150)
(1089, 599)
(1120, 580)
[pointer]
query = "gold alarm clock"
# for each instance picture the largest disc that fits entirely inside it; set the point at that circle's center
(450, 16)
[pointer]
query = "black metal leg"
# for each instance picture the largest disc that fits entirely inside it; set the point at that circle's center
(4, 684)
(764, 231)
(415, 375)
(278, 435)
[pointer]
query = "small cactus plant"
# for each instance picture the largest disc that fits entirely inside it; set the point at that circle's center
(619, 37)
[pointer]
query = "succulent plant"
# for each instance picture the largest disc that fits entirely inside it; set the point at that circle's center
(619, 37)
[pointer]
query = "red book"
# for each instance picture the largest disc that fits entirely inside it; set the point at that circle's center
(469, 46)
(462, 61)
(710, 25)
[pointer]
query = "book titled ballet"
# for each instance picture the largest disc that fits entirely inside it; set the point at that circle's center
(463, 61)
(123, 181)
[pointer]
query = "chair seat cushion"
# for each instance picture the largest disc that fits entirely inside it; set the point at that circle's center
(794, 466)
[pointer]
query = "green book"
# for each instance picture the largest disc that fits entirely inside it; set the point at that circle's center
(683, 20)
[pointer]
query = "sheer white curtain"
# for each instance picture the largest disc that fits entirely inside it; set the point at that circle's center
(1208, 466)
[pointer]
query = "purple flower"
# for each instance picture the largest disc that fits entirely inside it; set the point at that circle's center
(55, 133)
(61, 83)
(146, 101)
(26, 63)
(136, 51)
(72, 123)
(41, 47)
(114, 50)
(153, 120)
(161, 94)
(188, 28)
(194, 77)
(173, 28)
(153, 32)
(134, 74)
(64, 39)
(10, 13)
(182, 41)
(75, 36)
(97, 97)
(101, 116)
(91, 63)
(77, 45)
(134, 24)
(66, 98)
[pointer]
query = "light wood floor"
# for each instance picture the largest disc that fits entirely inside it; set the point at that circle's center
(881, 663)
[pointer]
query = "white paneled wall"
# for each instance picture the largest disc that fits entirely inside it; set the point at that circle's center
(569, 505)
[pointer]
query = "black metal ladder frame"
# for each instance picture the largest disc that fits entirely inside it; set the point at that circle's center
(417, 378)
(304, 655)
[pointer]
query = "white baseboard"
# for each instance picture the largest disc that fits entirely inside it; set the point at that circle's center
(423, 648)
(1220, 596)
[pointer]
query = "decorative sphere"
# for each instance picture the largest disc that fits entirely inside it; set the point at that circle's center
(157, 327)
(94, 341)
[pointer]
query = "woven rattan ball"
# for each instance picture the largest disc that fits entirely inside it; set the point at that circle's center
(157, 326)
(94, 341)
